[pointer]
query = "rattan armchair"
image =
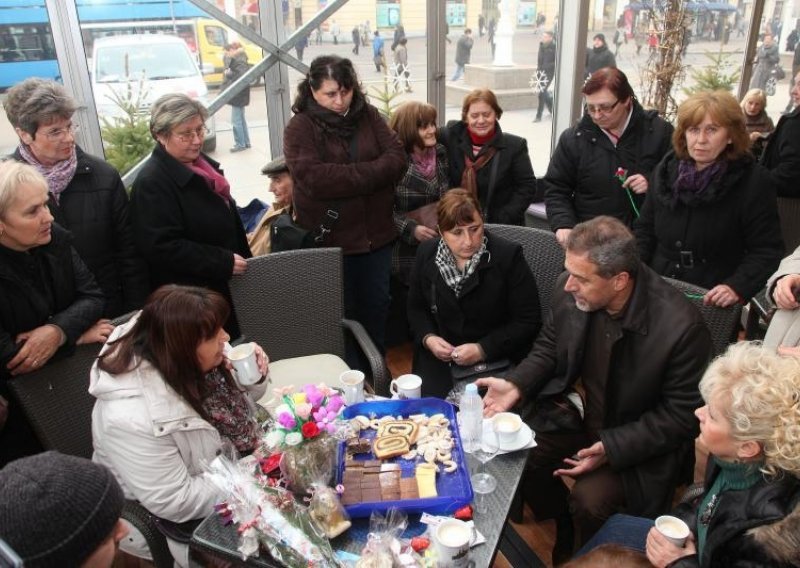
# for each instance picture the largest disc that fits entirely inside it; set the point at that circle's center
(292, 304)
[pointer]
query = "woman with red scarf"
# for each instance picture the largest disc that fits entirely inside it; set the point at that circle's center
(184, 219)
(490, 164)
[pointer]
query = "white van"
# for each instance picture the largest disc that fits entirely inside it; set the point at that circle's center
(161, 64)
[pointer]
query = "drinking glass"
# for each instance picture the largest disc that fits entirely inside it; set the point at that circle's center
(488, 446)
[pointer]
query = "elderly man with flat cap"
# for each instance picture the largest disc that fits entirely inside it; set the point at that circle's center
(281, 184)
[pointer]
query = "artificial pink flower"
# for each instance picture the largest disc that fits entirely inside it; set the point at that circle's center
(303, 411)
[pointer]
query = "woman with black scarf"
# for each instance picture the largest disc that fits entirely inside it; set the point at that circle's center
(711, 214)
(345, 162)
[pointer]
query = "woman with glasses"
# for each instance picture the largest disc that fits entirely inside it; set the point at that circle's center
(86, 194)
(345, 160)
(602, 165)
(186, 224)
(711, 217)
(491, 164)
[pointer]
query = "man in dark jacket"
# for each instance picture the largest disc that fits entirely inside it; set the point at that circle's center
(599, 56)
(639, 349)
(547, 68)
(463, 52)
(602, 165)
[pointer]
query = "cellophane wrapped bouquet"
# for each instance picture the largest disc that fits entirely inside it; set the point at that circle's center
(271, 516)
(307, 429)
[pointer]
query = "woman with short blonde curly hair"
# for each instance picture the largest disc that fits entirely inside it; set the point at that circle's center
(749, 511)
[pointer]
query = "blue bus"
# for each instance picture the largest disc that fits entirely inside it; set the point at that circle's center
(26, 39)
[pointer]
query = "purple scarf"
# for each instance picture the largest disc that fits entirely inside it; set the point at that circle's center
(216, 181)
(58, 176)
(425, 162)
(693, 181)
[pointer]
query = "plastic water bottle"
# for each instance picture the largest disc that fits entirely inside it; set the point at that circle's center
(471, 411)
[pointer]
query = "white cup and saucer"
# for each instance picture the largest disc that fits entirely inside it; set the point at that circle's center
(512, 432)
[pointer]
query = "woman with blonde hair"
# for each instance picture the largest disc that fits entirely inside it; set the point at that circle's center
(711, 217)
(749, 511)
(756, 120)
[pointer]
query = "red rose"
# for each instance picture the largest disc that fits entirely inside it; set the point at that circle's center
(310, 429)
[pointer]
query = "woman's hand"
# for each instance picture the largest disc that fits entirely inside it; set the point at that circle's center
(262, 360)
(467, 354)
(561, 236)
(637, 183)
(754, 136)
(423, 233)
(98, 333)
(661, 552)
(38, 345)
(239, 264)
(440, 348)
(784, 292)
(721, 296)
(501, 396)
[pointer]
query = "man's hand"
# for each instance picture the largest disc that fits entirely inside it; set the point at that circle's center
(467, 354)
(239, 264)
(588, 459)
(440, 348)
(784, 292)
(721, 296)
(661, 552)
(98, 333)
(423, 233)
(38, 345)
(561, 236)
(637, 183)
(501, 396)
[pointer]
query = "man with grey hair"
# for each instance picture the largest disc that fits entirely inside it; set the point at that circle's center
(636, 348)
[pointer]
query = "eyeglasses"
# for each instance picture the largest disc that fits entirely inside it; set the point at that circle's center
(189, 135)
(601, 109)
(61, 133)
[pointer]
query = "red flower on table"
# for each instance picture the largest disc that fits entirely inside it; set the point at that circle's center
(310, 430)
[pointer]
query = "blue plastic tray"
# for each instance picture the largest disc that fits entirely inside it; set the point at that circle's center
(454, 489)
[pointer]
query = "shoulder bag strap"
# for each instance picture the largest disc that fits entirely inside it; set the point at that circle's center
(332, 214)
(492, 182)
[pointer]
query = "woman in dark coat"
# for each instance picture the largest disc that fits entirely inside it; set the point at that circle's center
(86, 194)
(711, 218)
(583, 178)
(749, 512)
(473, 298)
(49, 301)
(345, 161)
(493, 165)
(186, 224)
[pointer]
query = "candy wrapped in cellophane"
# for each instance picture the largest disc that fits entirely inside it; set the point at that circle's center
(270, 516)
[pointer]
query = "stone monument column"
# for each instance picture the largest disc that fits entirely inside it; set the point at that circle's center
(505, 32)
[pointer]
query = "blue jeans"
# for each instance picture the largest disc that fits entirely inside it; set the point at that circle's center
(366, 291)
(241, 138)
(625, 530)
(459, 72)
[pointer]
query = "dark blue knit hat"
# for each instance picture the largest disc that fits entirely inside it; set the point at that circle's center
(55, 510)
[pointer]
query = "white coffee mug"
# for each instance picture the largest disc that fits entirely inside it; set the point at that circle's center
(352, 386)
(674, 529)
(406, 386)
(507, 426)
(243, 359)
(451, 539)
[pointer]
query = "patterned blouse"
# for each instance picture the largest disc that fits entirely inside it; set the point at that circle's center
(412, 192)
(231, 412)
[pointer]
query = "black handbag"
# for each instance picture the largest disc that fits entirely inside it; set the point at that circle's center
(285, 234)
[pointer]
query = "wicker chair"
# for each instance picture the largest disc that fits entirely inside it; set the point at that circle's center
(543, 254)
(57, 403)
(723, 323)
(291, 303)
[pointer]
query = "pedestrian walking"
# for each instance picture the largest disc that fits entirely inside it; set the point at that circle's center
(236, 65)
(356, 39)
(481, 24)
(377, 51)
(335, 31)
(547, 67)
(490, 29)
(401, 66)
(463, 52)
(399, 33)
(300, 46)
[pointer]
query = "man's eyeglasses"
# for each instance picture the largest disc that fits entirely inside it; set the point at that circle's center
(189, 135)
(61, 133)
(604, 108)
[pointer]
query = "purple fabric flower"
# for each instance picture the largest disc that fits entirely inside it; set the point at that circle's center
(335, 403)
(320, 415)
(313, 395)
(287, 420)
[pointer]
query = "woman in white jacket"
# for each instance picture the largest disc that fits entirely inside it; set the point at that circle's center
(166, 400)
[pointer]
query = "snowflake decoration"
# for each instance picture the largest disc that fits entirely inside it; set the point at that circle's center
(538, 81)
(398, 77)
